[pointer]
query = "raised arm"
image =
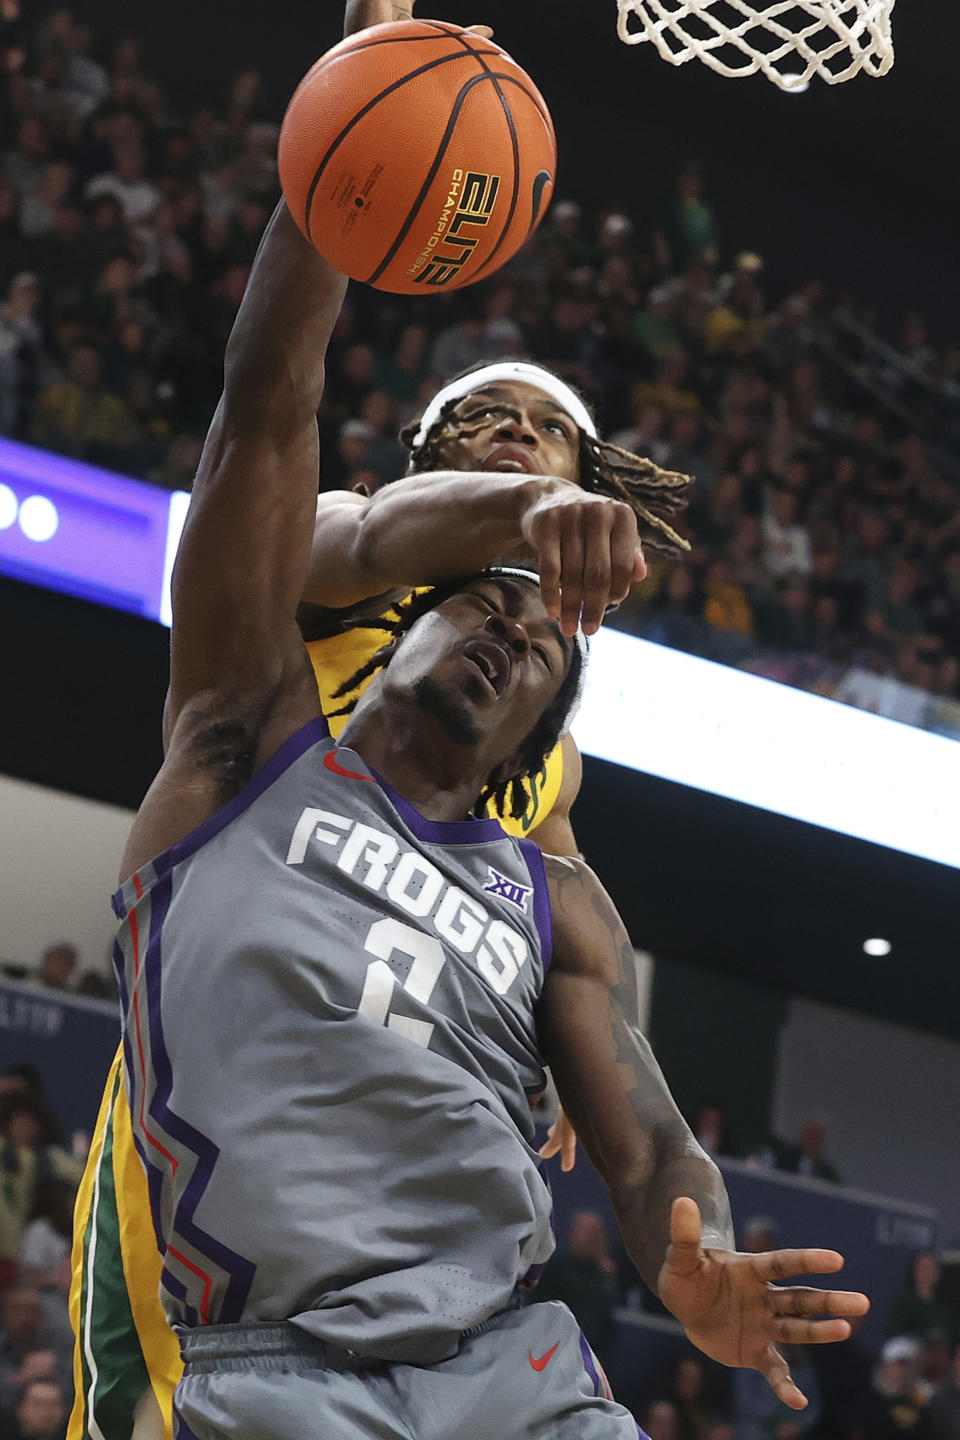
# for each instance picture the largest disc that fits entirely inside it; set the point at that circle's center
(668, 1196)
(240, 681)
(245, 550)
(444, 524)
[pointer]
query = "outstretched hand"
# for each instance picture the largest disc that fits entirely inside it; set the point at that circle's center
(732, 1311)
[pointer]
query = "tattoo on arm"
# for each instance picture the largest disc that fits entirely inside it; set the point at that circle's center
(628, 1120)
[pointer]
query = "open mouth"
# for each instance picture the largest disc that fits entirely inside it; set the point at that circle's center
(510, 458)
(492, 662)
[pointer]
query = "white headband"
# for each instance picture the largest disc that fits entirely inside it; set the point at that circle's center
(519, 370)
(580, 640)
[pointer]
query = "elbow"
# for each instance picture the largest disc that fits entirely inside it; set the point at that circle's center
(664, 1149)
(263, 392)
(628, 1175)
(367, 539)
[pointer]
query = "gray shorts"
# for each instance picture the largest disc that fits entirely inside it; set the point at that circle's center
(527, 1375)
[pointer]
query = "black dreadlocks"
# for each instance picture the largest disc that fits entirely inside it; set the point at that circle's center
(653, 494)
(538, 744)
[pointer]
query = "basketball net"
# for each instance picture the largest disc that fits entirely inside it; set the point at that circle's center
(788, 41)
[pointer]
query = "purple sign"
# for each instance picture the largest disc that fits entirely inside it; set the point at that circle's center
(73, 527)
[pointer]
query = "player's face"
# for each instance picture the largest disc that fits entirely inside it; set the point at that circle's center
(485, 664)
(514, 427)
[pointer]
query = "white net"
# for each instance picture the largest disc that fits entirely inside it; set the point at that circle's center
(788, 41)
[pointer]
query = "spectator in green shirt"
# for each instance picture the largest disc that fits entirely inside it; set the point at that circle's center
(584, 1278)
(78, 415)
(917, 1311)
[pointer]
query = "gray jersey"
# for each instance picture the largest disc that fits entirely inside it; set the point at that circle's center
(330, 1052)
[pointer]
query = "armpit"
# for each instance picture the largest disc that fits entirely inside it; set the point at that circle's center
(316, 622)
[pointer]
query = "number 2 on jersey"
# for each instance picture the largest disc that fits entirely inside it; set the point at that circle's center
(426, 954)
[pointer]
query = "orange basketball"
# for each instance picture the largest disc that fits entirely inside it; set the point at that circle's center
(417, 157)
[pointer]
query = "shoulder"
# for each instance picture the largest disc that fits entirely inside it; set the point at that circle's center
(587, 931)
(572, 774)
(572, 882)
(575, 891)
(567, 877)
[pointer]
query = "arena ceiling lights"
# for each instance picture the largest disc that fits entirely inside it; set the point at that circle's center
(745, 738)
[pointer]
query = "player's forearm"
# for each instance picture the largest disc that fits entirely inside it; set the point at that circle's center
(274, 365)
(643, 1208)
(610, 1083)
(640, 1143)
(425, 529)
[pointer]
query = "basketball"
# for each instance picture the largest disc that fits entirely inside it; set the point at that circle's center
(417, 157)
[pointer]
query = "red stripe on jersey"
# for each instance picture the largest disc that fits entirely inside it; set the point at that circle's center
(135, 937)
(201, 1275)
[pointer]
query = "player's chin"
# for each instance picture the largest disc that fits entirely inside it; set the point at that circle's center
(447, 703)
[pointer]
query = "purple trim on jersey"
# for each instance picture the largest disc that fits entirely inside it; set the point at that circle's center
(533, 1276)
(119, 969)
(178, 1290)
(239, 1270)
(155, 1194)
(542, 912)
(642, 1434)
(181, 1429)
(590, 1365)
(153, 1174)
(291, 750)
(439, 832)
(176, 1287)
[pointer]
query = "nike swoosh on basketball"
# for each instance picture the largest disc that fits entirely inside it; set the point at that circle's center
(544, 1360)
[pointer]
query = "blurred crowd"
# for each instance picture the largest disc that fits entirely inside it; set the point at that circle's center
(59, 968)
(910, 1387)
(825, 523)
(825, 528)
(38, 1181)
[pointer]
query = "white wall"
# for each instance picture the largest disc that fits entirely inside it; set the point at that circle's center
(59, 860)
(890, 1098)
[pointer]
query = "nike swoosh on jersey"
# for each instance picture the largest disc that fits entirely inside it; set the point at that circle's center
(544, 1360)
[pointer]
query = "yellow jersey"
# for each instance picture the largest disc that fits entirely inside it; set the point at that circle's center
(122, 1343)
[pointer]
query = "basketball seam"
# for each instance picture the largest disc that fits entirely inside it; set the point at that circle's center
(395, 85)
(404, 40)
(512, 80)
(431, 174)
(511, 126)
